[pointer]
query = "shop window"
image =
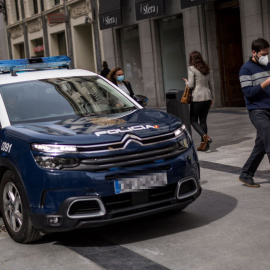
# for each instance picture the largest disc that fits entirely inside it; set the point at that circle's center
(35, 5)
(131, 57)
(173, 52)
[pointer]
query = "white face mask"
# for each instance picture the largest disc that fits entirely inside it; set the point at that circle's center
(263, 60)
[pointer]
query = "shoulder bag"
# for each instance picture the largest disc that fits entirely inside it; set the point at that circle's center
(186, 98)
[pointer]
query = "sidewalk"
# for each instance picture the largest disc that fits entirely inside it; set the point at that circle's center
(233, 138)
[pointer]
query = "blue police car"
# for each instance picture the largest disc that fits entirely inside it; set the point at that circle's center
(78, 152)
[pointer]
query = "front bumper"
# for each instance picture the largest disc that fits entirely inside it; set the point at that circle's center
(94, 211)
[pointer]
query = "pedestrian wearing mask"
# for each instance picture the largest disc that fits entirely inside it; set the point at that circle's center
(254, 77)
(199, 82)
(117, 76)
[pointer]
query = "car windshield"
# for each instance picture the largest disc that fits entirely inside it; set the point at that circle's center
(62, 98)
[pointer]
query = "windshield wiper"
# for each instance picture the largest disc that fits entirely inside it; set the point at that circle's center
(92, 114)
(129, 109)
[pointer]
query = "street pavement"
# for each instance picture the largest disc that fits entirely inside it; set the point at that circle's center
(227, 227)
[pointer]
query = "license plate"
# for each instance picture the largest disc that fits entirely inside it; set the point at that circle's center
(140, 182)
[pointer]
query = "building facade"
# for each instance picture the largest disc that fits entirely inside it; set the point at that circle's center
(150, 39)
(153, 38)
(3, 34)
(54, 27)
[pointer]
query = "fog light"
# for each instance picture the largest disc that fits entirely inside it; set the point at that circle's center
(53, 220)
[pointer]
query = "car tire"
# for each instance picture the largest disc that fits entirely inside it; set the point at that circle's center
(13, 206)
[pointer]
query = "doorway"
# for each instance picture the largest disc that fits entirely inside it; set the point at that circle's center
(58, 44)
(18, 51)
(230, 52)
(83, 47)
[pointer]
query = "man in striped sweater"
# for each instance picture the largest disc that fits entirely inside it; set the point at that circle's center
(254, 77)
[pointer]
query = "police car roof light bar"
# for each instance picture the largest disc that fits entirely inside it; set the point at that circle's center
(62, 61)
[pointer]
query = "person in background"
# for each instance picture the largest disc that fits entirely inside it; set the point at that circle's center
(105, 70)
(199, 82)
(117, 76)
(255, 84)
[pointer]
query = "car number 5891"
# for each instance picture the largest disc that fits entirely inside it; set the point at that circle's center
(6, 147)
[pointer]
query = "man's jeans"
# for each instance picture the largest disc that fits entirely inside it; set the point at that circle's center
(261, 120)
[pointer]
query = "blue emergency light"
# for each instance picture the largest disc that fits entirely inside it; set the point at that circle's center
(62, 61)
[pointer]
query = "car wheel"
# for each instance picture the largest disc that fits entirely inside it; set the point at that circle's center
(13, 206)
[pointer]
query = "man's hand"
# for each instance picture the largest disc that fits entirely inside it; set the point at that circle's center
(265, 83)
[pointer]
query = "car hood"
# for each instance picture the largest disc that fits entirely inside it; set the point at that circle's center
(89, 130)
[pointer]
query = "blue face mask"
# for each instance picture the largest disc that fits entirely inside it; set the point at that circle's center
(120, 78)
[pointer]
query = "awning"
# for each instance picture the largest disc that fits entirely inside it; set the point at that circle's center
(149, 8)
(109, 13)
(191, 3)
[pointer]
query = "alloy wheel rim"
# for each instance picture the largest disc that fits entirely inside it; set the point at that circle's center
(13, 207)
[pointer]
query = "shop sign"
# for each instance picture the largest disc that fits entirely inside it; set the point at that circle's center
(109, 14)
(111, 19)
(149, 8)
(57, 18)
(191, 3)
(39, 48)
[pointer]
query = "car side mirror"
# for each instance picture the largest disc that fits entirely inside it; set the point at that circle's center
(142, 100)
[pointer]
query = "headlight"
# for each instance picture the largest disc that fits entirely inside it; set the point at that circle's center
(54, 148)
(180, 133)
(177, 132)
(56, 163)
(183, 127)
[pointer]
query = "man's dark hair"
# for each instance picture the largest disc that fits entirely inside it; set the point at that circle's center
(259, 44)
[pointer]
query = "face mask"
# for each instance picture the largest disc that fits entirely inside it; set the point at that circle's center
(263, 60)
(120, 78)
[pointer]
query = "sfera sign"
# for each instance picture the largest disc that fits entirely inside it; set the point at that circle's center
(109, 20)
(149, 8)
(109, 13)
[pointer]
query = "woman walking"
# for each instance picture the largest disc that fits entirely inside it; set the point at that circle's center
(199, 82)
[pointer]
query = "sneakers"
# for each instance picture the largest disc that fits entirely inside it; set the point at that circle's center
(249, 183)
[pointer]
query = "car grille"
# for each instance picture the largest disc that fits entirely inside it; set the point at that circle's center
(108, 162)
(125, 141)
(136, 198)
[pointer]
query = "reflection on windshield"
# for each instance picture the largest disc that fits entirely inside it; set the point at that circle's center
(62, 98)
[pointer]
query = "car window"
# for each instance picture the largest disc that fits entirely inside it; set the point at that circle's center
(62, 98)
